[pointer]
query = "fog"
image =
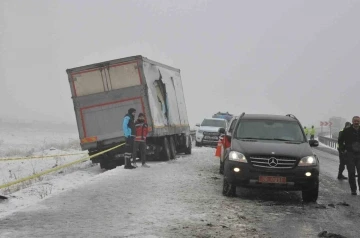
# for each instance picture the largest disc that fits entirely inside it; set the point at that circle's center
(298, 57)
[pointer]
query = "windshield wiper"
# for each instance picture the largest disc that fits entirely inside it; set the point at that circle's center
(289, 141)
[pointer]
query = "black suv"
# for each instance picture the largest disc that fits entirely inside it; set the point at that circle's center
(271, 151)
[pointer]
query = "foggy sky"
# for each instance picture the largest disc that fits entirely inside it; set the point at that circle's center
(299, 57)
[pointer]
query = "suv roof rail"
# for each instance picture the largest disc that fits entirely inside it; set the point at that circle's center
(292, 116)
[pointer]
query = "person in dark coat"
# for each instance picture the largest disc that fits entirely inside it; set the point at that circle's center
(342, 155)
(129, 133)
(349, 143)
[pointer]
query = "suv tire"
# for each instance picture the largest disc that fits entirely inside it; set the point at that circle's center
(229, 190)
(221, 171)
(311, 195)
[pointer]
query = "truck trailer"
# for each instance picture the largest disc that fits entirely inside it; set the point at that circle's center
(103, 92)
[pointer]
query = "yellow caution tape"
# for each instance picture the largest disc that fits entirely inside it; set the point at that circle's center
(38, 157)
(56, 168)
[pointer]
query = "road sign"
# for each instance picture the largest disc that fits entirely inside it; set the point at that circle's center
(321, 123)
(330, 123)
(326, 123)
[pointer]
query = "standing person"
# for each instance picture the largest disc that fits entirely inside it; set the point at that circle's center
(222, 145)
(312, 133)
(342, 154)
(349, 142)
(129, 133)
(306, 131)
(141, 128)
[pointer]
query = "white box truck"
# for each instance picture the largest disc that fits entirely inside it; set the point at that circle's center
(103, 92)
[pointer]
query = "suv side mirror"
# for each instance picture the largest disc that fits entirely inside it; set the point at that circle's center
(222, 130)
(197, 124)
(313, 143)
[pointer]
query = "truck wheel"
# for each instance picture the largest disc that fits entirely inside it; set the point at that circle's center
(188, 149)
(172, 148)
(166, 154)
(311, 194)
(157, 152)
(107, 165)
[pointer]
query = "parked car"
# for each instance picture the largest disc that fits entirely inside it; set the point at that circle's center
(207, 133)
(271, 151)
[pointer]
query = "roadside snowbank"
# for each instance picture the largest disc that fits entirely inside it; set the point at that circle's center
(18, 140)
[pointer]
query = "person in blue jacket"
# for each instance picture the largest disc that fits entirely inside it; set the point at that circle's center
(129, 133)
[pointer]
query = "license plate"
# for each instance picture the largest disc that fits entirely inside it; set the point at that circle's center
(211, 137)
(272, 179)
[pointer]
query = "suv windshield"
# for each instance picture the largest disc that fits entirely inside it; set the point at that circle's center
(213, 123)
(269, 130)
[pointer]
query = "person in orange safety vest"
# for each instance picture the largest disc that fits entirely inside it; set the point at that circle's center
(141, 131)
(222, 145)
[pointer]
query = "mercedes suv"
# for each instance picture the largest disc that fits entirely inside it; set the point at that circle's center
(271, 151)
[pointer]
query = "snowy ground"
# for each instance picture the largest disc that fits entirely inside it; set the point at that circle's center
(18, 140)
(23, 140)
(180, 198)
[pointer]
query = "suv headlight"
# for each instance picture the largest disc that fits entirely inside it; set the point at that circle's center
(236, 156)
(308, 161)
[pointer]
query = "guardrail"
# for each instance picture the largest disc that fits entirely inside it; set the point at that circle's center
(331, 142)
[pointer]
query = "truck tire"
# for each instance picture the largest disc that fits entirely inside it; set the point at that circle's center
(188, 149)
(172, 148)
(107, 165)
(166, 154)
(106, 162)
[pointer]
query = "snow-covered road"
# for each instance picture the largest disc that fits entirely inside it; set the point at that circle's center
(183, 198)
(180, 198)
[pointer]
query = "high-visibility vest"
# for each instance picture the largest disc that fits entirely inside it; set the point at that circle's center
(312, 131)
(219, 145)
(141, 131)
(222, 145)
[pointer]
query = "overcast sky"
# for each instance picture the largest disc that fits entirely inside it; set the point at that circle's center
(299, 57)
